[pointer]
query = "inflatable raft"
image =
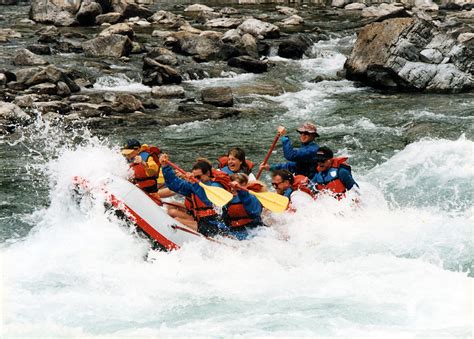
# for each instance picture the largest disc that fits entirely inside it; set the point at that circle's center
(138, 208)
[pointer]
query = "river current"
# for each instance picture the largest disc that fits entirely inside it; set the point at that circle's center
(400, 265)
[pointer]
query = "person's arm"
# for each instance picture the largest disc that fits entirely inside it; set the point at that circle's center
(346, 178)
(176, 184)
(251, 203)
(304, 153)
(151, 167)
(290, 166)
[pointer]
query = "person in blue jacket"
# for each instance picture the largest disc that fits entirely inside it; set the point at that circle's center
(244, 211)
(300, 160)
(209, 222)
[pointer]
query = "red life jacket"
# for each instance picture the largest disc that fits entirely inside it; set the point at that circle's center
(300, 182)
(335, 185)
(221, 178)
(237, 215)
(223, 160)
(140, 177)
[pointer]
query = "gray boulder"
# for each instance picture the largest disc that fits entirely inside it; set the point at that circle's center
(218, 96)
(114, 45)
(10, 116)
(248, 64)
(156, 74)
(411, 54)
(24, 57)
(167, 92)
(224, 23)
(109, 18)
(120, 28)
(384, 11)
(126, 103)
(88, 12)
(259, 28)
(293, 47)
(205, 46)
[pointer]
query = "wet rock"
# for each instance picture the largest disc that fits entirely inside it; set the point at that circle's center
(63, 89)
(50, 74)
(48, 34)
(186, 27)
(114, 45)
(293, 20)
(126, 103)
(88, 110)
(426, 5)
(39, 49)
(88, 12)
(198, 8)
(339, 3)
(55, 106)
(465, 38)
(218, 96)
(26, 100)
(229, 11)
(26, 22)
(166, 92)
(249, 64)
(194, 112)
(79, 98)
(130, 9)
(24, 57)
(164, 18)
(286, 10)
(69, 46)
(384, 11)
(110, 18)
(11, 114)
(120, 28)
(249, 45)
(232, 36)
(224, 23)
(3, 80)
(44, 88)
(10, 76)
(163, 56)
(293, 47)
(8, 2)
(356, 6)
(6, 34)
(259, 28)
(156, 74)
(410, 54)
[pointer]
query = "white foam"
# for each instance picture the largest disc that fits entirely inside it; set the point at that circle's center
(120, 83)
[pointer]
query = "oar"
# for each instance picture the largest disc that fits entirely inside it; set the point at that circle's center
(218, 196)
(268, 155)
(271, 200)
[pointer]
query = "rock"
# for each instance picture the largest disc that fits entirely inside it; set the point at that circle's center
(44, 88)
(110, 18)
(465, 37)
(293, 20)
(410, 54)
(229, 11)
(120, 28)
(249, 64)
(260, 89)
(186, 27)
(130, 9)
(57, 12)
(25, 74)
(198, 8)
(48, 34)
(63, 89)
(27, 100)
(6, 34)
(88, 110)
(50, 74)
(286, 10)
(338, 3)
(431, 56)
(232, 36)
(466, 14)
(218, 96)
(11, 113)
(224, 23)
(114, 45)
(166, 92)
(56, 106)
(163, 56)
(143, 23)
(126, 103)
(384, 11)
(259, 28)
(249, 45)
(203, 47)
(156, 74)
(88, 12)
(24, 57)
(165, 18)
(193, 112)
(426, 5)
(294, 47)
(39, 49)
(355, 6)
(26, 22)
(8, 2)
(69, 46)
(3, 80)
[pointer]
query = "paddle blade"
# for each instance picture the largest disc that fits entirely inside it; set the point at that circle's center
(272, 201)
(218, 196)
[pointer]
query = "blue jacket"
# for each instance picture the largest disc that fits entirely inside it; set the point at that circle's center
(227, 170)
(186, 188)
(301, 160)
(332, 174)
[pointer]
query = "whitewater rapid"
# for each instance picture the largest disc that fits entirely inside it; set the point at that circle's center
(387, 267)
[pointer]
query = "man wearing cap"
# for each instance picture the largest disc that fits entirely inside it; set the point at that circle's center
(300, 160)
(145, 169)
(333, 175)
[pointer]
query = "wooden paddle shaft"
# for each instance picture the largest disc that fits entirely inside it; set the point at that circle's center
(268, 155)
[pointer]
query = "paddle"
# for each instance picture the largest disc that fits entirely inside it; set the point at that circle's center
(270, 200)
(218, 196)
(268, 155)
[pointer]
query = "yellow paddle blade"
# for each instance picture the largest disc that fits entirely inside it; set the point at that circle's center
(218, 196)
(273, 201)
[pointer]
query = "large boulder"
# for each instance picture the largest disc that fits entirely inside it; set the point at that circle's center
(205, 46)
(88, 12)
(293, 47)
(10, 116)
(384, 11)
(224, 23)
(24, 57)
(56, 12)
(218, 96)
(248, 64)
(259, 28)
(114, 45)
(411, 54)
(121, 28)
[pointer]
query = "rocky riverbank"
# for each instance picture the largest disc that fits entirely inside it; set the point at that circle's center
(409, 46)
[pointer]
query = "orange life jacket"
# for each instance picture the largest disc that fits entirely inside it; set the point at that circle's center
(221, 178)
(140, 177)
(300, 182)
(223, 160)
(334, 185)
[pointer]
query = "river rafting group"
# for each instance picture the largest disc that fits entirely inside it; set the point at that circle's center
(310, 171)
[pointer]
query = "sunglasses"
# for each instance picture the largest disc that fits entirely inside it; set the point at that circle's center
(304, 133)
(198, 177)
(275, 184)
